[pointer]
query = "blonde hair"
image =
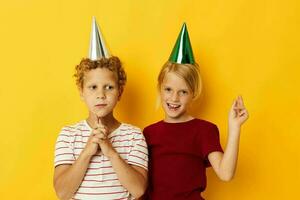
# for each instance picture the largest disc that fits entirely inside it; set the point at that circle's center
(189, 72)
(113, 64)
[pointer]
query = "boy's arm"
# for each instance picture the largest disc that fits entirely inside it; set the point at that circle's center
(225, 164)
(67, 178)
(133, 178)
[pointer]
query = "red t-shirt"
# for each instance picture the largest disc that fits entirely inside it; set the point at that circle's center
(178, 158)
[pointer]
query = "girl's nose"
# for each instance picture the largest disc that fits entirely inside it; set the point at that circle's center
(174, 97)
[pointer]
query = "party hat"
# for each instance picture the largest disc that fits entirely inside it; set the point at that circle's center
(182, 52)
(98, 48)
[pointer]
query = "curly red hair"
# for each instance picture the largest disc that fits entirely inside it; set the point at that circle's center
(113, 64)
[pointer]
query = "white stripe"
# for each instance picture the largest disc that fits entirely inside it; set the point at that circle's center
(101, 181)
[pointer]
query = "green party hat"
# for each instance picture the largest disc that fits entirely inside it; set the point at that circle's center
(182, 52)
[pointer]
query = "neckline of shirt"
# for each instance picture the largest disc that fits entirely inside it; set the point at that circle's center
(111, 134)
(179, 123)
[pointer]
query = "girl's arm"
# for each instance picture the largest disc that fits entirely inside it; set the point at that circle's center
(225, 164)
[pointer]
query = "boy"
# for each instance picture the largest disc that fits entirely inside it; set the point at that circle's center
(100, 157)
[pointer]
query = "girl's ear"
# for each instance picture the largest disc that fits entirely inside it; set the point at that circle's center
(158, 98)
(158, 101)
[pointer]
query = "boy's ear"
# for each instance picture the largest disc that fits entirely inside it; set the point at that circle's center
(120, 93)
(81, 93)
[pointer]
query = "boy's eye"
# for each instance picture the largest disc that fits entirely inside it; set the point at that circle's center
(93, 87)
(109, 87)
(167, 89)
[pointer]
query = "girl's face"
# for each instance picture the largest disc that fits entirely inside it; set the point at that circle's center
(176, 97)
(100, 92)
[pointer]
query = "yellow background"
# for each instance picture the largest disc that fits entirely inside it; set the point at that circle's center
(243, 47)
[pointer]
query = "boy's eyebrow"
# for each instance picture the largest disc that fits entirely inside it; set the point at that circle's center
(89, 84)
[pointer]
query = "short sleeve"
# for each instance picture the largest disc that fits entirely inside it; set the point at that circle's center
(64, 153)
(210, 143)
(138, 155)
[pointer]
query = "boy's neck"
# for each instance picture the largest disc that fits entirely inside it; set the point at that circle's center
(109, 121)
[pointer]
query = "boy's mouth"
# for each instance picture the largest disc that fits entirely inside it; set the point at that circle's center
(100, 105)
(173, 107)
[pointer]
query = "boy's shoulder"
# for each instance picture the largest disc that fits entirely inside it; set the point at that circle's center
(128, 131)
(80, 126)
(129, 128)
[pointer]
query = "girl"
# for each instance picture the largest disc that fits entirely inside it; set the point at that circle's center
(181, 146)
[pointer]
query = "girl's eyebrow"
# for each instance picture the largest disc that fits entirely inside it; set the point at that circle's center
(185, 89)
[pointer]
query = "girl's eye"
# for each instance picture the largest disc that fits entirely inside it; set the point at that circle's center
(183, 92)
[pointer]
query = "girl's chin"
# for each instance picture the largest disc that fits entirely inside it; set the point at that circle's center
(174, 116)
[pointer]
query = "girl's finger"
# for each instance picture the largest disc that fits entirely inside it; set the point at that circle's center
(234, 104)
(242, 113)
(238, 101)
(240, 104)
(241, 101)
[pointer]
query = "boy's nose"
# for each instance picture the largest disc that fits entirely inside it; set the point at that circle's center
(100, 95)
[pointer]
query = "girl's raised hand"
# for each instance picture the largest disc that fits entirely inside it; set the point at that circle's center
(238, 114)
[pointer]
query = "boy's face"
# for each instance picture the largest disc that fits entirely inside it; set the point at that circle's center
(176, 96)
(100, 91)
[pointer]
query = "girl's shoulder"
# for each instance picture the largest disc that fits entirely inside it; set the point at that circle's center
(204, 122)
(154, 125)
(195, 122)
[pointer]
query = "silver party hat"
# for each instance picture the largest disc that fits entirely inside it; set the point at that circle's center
(98, 48)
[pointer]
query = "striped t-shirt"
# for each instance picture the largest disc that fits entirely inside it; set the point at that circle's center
(101, 181)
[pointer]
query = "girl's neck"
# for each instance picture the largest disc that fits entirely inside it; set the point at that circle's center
(179, 119)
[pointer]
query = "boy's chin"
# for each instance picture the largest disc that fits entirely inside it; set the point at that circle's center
(100, 114)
